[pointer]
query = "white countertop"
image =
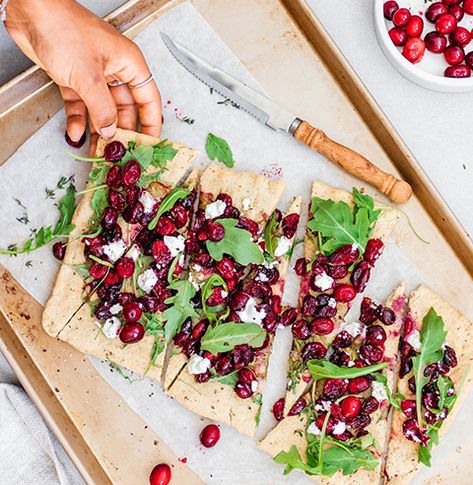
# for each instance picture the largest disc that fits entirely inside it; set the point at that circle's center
(437, 127)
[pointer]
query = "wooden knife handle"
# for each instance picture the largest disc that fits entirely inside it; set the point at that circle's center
(352, 162)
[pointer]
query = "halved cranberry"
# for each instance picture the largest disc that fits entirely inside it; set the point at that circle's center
(132, 333)
(300, 267)
(408, 407)
(102, 311)
(215, 232)
(216, 298)
(131, 173)
(179, 216)
(342, 340)
(411, 431)
(370, 405)
(161, 475)
(226, 268)
(434, 11)
(371, 354)
(278, 409)
(344, 256)
(326, 311)
(360, 276)
(289, 225)
(132, 312)
(165, 226)
(313, 350)
(203, 259)
(340, 358)
(368, 311)
(116, 200)
(224, 365)
(149, 303)
(59, 250)
(322, 326)
(351, 407)
(344, 293)
(210, 435)
(133, 193)
(297, 407)
(125, 267)
(376, 335)
(161, 253)
(114, 151)
(249, 225)
(359, 422)
(389, 8)
(301, 330)
(373, 251)
(114, 177)
(238, 300)
(337, 272)
(288, 317)
(133, 212)
(199, 329)
(97, 271)
(450, 357)
(243, 390)
(334, 388)
(358, 384)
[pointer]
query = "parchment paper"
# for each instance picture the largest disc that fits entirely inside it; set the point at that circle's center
(41, 162)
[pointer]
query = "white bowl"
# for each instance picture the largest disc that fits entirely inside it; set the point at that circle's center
(428, 73)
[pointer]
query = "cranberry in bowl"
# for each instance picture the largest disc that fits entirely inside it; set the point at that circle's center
(428, 42)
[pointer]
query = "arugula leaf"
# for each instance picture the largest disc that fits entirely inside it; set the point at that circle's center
(146, 180)
(229, 380)
(99, 202)
(347, 461)
(168, 203)
(270, 236)
(154, 326)
(432, 337)
(293, 461)
(98, 174)
(236, 243)
(146, 155)
(181, 308)
(323, 369)
(366, 202)
(210, 283)
(218, 148)
(44, 235)
(163, 152)
(226, 336)
(395, 400)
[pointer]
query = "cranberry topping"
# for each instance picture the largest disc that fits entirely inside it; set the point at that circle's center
(179, 215)
(114, 177)
(344, 255)
(238, 300)
(259, 290)
(149, 303)
(231, 212)
(411, 383)
(132, 312)
(358, 385)
(224, 365)
(288, 317)
(322, 326)
(210, 435)
(276, 306)
(133, 212)
(161, 253)
(450, 357)
(225, 198)
(408, 407)
(242, 355)
(270, 322)
(116, 200)
(132, 333)
(203, 377)
(297, 407)
(313, 350)
(132, 194)
(360, 276)
(359, 422)
(300, 267)
(102, 311)
(216, 298)
(334, 388)
(351, 407)
(161, 475)
(278, 409)
(59, 250)
(373, 251)
(124, 298)
(344, 293)
(243, 390)
(389, 8)
(75, 144)
(114, 151)
(267, 275)
(125, 267)
(301, 330)
(342, 340)
(330, 423)
(337, 272)
(368, 311)
(435, 42)
(340, 358)
(215, 232)
(226, 268)
(371, 354)
(370, 405)
(165, 226)
(435, 10)
(411, 431)
(131, 173)
(249, 225)
(97, 271)
(376, 335)
(289, 225)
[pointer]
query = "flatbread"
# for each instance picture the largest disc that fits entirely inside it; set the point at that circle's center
(402, 461)
(384, 226)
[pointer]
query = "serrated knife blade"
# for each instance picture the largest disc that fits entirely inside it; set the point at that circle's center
(278, 118)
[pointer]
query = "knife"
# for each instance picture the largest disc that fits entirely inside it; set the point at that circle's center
(278, 118)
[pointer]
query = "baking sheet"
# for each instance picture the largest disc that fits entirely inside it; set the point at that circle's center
(255, 148)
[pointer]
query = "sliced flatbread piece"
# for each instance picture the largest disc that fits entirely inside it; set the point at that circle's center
(402, 462)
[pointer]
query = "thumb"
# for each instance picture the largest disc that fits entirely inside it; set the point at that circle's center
(100, 105)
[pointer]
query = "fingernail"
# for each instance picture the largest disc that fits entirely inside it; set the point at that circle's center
(108, 131)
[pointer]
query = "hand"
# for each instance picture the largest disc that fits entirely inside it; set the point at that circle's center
(82, 53)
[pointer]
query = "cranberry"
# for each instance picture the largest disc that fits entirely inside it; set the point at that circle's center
(389, 8)
(368, 311)
(125, 298)
(371, 354)
(179, 216)
(288, 317)
(401, 17)
(276, 306)
(373, 251)
(203, 377)
(116, 200)
(468, 7)
(231, 212)
(446, 23)
(216, 298)
(370, 405)
(132, 194)
(132, 333)
(460, 71)
(243, 390)
(457, 12)
(337, 272)
(313, 350)
(210, 435)
(309, 306)
(434, 11)
(149, 303)
(361, 274)
(246, 375)
(414, 50)
(388, 317)
(161, 253)
(340, 358)
(322, 326)
(259, 290)
(102, 311)
(267, 275)
(297, 407)
(376, 335)
(226, 268)
(344, 255)
(450, 357)
(342, 340)
(132, 312)
(359, 422)
(204, 260)
(161, 475)
(411, 384)
(325, 312)
(415, 26)
(114, 178)
(125, 267)
(225, 198)
(450, 3)
(215, 232)
(301, 267)
(469, 59)
(165, 226)
(411, 431)
(301, 330)
(358, 384)
(454, 55)
(242, 355)
(460, 36)
(430, 399)
(199, 329)
(351, 407)
(133, 213)
(334, 388)
(289, 225)
(238, 300)
(75, 144)
(408, 408)
(114, 151)
(109, 218)
(330, 423)
(249, 225)
(59, 250)
(98, 271)
(224, 365)
(435, 42)
(278, 409)
(344, 293)
(131, 173)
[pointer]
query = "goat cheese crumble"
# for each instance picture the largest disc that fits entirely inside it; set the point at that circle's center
(250, 314)
(111, 327)
(134, 252)
(378, 391)
(414, 340)
(116, 309)
(215, 209)
(148, 201)
(323, 281)
(354, 328)
(147, 280)
(115, 250)
(175, 244)
(313, 429)
(247, 203)
(198, 364)
(339, 428)
(284, 244)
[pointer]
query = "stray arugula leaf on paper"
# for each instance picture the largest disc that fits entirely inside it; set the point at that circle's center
(218, 148)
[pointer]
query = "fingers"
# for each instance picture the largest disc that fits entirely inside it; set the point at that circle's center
(75, 113)
(127, 112)
(100, 105)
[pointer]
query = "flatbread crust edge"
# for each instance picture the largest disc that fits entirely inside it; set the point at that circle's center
(402, 461)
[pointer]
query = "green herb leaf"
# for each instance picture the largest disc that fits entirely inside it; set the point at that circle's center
(226, 336)
(348, 461)
(98, 174)
(181, 308)
(367, 202)
(162, 153)
(229, 380)
(211, 282)
(236, 243)
(99, 202)
(323, 369)
(395, 400)
(154, 326)
(168, 203)
(293, 461)
(146, 180)
(271, 236)
(218, 148)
